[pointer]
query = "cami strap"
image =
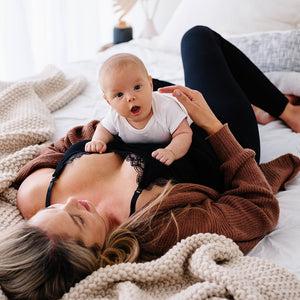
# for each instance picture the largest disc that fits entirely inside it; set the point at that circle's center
(49, 190)
(134, 199)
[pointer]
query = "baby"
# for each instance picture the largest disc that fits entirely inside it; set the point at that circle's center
(137, 114)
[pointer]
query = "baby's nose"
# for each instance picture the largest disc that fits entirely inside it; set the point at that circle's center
(130, 97)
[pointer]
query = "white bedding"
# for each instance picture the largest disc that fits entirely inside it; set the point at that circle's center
(248, 20)
(281, 246)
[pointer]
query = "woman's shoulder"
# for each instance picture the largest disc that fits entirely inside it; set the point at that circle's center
(32, 192)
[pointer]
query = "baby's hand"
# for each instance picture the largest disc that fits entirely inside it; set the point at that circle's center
(164, 155)
(95, 146)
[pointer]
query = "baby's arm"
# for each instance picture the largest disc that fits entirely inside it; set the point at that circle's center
(100, 138)
(178, 147)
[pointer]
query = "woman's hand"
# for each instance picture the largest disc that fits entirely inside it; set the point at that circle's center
(196, 107)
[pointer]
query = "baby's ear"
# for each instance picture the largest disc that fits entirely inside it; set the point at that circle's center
(151, 82)
(105, 98)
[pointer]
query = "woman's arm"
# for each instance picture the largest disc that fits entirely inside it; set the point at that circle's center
(245, 212)
(248, 205)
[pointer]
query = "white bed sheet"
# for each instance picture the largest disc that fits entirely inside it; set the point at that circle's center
(281, 246)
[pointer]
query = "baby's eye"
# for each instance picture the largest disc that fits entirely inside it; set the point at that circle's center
(137, 87)
(119, 95)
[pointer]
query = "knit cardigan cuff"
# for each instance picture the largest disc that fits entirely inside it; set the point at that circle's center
(224, 143)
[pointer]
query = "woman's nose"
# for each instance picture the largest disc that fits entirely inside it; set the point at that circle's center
(71, 203)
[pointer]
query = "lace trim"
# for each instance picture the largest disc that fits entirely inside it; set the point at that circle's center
(76, 155)
(138, 163)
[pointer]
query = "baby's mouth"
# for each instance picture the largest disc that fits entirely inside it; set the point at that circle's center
(135, 109)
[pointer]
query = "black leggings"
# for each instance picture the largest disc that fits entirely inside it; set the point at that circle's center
(229, 82)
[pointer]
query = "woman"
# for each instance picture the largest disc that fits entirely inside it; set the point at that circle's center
(91, 197)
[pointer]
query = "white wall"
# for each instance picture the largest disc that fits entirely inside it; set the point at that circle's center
(34, 33)
(136, 17)
(165, 11)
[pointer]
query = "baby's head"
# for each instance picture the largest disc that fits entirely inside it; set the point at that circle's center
(121, 66)
(126, 86)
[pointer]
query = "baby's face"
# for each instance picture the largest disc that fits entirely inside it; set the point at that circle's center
(129, 91)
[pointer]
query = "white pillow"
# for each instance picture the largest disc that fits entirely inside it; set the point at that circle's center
(229, 17)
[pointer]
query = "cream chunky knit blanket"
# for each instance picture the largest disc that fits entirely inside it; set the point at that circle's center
(204, 266)
(25, 124)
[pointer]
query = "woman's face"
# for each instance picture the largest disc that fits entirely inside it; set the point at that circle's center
(76, 218)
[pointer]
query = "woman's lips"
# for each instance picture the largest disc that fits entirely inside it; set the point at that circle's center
(84, 204)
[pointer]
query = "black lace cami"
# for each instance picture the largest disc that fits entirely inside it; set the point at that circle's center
(199, 165)
(136, 160)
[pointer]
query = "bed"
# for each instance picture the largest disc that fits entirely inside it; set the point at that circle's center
(271, 38)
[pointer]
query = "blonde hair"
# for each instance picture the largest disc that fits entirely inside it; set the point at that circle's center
(127, 236)
(35, 266)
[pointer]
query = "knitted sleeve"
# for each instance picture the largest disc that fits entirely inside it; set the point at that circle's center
(247, 209)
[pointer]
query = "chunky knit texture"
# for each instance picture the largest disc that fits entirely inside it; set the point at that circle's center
(26, 124)
(26, 121)
(203, 266)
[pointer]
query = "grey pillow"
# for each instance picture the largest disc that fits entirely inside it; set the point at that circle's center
(271, 51)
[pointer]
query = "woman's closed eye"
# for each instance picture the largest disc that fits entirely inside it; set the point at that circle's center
(78, 220)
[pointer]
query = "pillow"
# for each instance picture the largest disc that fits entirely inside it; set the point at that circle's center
(271, 51)
(286, 82)
(229, 17)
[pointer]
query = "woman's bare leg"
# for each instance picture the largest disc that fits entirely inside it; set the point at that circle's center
(262, 117)
(290, 115)
(295, 100)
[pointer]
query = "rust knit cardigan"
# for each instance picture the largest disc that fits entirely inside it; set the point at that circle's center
(245, 212)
